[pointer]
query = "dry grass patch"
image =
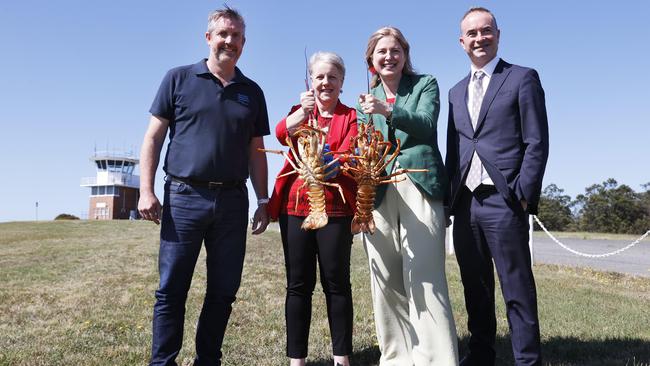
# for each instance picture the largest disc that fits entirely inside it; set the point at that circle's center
(79, 292)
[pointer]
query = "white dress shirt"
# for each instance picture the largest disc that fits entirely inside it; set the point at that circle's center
(488, 69)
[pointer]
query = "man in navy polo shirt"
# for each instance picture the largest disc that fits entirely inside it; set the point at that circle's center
(216, 119)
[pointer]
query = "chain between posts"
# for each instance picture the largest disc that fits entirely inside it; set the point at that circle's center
(587, 254)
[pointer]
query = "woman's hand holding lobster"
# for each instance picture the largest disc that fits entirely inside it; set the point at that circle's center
(308, 102)
(300, 115)
(371, 105)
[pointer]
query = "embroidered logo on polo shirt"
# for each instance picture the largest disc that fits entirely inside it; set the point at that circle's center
(243, 99)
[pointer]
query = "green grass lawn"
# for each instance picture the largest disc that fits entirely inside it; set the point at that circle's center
(81, 293)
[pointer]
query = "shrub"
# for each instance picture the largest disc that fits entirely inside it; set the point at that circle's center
(65, 216)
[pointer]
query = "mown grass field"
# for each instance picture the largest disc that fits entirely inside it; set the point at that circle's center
(81, 293)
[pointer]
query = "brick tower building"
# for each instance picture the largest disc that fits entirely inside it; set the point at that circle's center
(114, 192)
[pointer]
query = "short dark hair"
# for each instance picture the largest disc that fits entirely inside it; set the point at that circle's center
(475, 9)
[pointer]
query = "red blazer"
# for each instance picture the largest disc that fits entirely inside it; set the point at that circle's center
(343, 126)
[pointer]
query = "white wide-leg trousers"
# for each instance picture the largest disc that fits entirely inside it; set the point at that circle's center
(413, 317)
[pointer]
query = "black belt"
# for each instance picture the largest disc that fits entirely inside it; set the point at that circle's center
(484, 190)
(208, 184)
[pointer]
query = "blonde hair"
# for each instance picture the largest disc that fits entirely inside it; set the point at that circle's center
(372, 43)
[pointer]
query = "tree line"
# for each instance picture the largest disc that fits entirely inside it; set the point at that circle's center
(606, 208)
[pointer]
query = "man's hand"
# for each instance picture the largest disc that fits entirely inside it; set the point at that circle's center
(149, 207)
(259, 173)
(524, 205)
(260, 220)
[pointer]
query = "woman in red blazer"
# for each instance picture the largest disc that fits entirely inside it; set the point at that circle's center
(331, 244)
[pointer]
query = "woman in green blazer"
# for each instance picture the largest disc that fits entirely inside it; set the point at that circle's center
(413, 317)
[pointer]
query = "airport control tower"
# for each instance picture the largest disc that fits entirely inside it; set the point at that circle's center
(114, 192)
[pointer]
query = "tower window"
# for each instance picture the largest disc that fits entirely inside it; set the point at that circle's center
(105, 191)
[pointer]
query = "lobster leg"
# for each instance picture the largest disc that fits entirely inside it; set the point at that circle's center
(404, 171)
(396, 180)
(298, 195)
(288, 173)
(279, 152)
(331, 163)
(354, 169)
(306, 129)
(337, 186)
(380, 168)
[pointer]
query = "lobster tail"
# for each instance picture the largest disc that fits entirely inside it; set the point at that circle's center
(360, 225)
(363, 221)
(317, 217)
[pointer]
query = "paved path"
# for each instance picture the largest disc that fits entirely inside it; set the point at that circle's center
(635, 261)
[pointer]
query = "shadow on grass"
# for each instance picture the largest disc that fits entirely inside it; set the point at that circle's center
(570, 351)
(565, 351)
(365, 357)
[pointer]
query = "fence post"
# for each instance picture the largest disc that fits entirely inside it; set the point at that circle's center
(450, 236)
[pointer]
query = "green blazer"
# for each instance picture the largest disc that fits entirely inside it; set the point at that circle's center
(414, 123)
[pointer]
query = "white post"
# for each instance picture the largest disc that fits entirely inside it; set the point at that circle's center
(450, 236)
(530, 238)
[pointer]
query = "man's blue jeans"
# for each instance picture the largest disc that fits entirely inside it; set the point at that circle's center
(191, 216)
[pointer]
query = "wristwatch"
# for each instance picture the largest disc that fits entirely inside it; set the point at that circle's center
(389, 117)
(262, 201)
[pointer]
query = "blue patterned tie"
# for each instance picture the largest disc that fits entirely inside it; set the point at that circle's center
(474, 176)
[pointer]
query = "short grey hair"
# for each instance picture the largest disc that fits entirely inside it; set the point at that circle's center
(327, 57)
(226, 12)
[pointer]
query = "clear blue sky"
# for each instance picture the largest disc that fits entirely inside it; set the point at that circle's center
(76, 75)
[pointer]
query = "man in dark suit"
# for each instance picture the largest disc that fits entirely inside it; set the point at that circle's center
(497, 147)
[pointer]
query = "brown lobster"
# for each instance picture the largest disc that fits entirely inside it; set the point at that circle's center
(309, 166)
(370, 156)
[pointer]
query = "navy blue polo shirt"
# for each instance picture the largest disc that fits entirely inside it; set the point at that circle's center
(210, 126)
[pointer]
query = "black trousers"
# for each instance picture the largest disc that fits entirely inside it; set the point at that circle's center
(330, 246)
(488, 228)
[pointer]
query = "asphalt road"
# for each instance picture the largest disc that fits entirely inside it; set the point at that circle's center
(634, 261)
